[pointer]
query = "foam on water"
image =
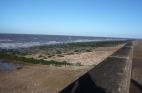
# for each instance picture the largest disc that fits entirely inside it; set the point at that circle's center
(25, 45)
(32, 44)
(5, 40)
(14, 41)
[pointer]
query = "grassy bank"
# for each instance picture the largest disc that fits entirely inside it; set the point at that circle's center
(31, 60)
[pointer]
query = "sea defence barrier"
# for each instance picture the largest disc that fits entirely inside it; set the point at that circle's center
(112, 75)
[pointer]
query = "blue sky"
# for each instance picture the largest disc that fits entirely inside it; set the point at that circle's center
(106, 18)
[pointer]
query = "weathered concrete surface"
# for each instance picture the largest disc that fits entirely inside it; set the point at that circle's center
(136, 81)
(110, 76)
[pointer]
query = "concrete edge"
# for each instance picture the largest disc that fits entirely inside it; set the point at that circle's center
(105, 78)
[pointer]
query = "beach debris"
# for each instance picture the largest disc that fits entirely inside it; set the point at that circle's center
(19, 68)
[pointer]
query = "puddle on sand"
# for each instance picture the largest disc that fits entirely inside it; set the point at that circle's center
(9, 66)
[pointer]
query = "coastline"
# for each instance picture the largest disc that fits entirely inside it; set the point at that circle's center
(75, 54)
(70, 53)
(48, 78)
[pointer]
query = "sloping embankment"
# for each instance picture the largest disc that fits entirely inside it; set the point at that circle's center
(110, 76)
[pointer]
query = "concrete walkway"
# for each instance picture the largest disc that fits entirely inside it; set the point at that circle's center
(136, 80)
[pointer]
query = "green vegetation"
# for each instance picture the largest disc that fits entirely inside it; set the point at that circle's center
(32, 60)
(76, 50)
(70, 53)
(88, 50)
(78, 64)
(60, 55)
(58, 52)
(97, 44)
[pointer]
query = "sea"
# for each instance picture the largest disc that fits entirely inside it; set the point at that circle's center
(15, 41)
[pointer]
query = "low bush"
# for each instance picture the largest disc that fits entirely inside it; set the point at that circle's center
(76, 50)
(58, 52)
(88, 50)
(60, 55)
(78, 64)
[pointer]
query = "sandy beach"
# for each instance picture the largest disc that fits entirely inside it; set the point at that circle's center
(39, 78)
(94, 57)
(52, 79)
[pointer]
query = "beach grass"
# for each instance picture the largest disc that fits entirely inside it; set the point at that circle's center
(32, 60)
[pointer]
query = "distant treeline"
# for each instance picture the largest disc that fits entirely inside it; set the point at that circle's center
(31, 60)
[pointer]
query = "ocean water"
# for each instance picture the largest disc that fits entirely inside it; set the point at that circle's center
(14, 41)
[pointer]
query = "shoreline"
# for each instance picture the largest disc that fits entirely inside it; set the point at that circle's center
(65, 54)
(38, 78)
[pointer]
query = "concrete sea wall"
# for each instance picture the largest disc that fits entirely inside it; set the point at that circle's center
(113, 75)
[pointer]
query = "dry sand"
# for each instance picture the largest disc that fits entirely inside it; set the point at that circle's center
(51, 79)
(87, 58)
(40, 78)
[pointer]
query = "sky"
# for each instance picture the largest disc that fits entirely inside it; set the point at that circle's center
(105, 18)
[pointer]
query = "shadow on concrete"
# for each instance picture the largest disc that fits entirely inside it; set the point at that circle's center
(139, 86)
(84, 84)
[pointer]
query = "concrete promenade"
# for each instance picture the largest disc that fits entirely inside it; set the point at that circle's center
(136, 79)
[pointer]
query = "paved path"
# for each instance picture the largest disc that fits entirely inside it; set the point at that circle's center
(136, 80)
